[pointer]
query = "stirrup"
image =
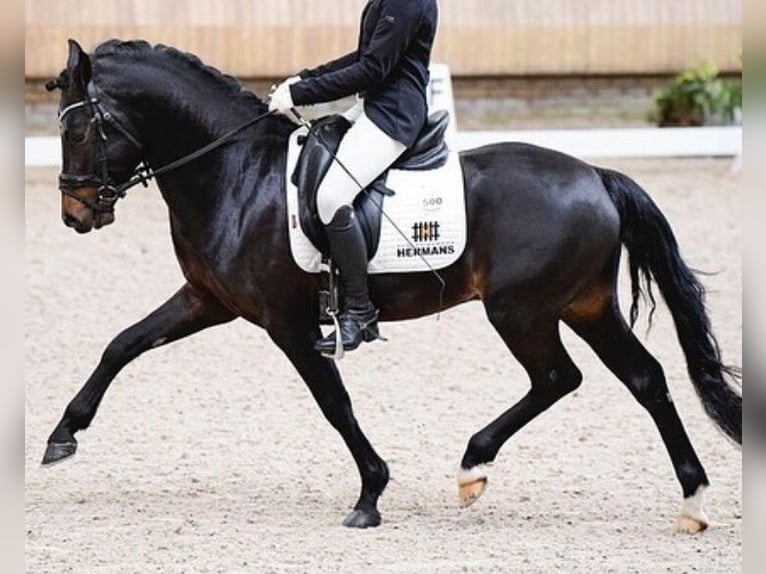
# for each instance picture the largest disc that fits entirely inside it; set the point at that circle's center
(369, 332)
(339, 350)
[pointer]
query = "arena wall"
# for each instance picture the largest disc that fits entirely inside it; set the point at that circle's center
(274, 38)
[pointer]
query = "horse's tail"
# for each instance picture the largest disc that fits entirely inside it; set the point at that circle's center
(654, 255)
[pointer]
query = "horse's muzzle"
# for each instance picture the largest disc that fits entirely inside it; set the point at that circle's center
(103, 219)
(76, 224)
(77, 211)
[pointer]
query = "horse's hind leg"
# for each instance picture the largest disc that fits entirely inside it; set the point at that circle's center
(605, 330)
(187, 312)
(552, 374)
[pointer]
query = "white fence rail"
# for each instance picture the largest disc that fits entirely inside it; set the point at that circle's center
(639, 142)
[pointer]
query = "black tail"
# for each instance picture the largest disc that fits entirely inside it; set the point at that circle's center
(654, 255)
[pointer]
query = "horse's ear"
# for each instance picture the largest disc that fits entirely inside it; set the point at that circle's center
(78, 64)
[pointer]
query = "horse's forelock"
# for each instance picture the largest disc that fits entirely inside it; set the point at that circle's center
(60, 82)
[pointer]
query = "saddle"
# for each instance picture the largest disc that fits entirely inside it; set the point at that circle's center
(318, 148)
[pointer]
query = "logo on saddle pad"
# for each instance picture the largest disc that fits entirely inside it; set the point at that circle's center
(426, 232)
(424, 227)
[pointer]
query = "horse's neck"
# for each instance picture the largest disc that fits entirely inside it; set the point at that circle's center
(178, 115)
(171, 127)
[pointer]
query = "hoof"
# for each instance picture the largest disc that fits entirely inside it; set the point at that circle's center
(692, 519)
(471, 485)
(470, 493)
(362, 519)
(688, 525)
(58, 452)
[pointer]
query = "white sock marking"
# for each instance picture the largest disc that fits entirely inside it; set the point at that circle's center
(470, 475)
(691, 507)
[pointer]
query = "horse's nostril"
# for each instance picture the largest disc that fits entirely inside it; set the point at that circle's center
(69, 221)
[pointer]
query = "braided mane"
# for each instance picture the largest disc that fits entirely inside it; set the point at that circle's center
(177, 59)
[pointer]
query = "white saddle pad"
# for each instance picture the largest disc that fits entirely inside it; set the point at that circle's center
(428, 209)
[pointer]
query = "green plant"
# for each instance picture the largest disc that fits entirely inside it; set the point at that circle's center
(695, 97)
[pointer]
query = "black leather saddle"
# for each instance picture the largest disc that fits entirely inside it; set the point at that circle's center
(318, 149)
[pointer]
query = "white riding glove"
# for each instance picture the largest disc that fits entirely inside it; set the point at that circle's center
(281, 100)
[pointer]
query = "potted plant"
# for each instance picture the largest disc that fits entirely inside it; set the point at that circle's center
(696, 97)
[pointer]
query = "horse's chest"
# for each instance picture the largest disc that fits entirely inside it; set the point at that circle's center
(218, 273)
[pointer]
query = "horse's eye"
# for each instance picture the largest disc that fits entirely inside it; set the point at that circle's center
(75, 136)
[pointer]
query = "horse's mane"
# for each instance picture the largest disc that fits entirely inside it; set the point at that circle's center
(142, 49)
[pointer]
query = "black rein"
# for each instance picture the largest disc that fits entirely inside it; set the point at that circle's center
(144, 173)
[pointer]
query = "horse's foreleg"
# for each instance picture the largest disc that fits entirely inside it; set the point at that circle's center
(325, 384)
(552, 375)
(187, 312)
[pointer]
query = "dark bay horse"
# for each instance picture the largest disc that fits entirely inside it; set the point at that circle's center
(545, 233)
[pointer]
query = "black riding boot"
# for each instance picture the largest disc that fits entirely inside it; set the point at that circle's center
(358, 319)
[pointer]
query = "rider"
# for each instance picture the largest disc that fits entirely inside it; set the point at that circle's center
(390, 70)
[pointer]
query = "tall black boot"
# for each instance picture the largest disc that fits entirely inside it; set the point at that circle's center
(358, 319)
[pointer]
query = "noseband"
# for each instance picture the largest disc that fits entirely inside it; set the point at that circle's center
(108, 191)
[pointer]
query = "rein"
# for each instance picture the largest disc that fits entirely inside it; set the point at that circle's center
(144, 173)
(108, 192)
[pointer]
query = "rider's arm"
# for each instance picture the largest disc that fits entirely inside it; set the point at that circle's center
(333, 66)
(398, 24)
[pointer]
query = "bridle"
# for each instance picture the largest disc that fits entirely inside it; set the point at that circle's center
(108, 191)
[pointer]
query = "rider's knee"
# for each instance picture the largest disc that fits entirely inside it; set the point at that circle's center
(328, 203)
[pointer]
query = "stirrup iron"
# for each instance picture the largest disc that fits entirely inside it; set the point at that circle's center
(340, 352)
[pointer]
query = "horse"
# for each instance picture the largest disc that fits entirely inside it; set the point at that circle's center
(544, 241)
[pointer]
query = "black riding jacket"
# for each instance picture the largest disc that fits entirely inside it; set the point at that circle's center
(389, 68)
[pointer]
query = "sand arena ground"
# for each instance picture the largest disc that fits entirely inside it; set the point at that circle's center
(210, 455)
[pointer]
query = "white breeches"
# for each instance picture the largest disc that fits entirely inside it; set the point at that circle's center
(365, 151)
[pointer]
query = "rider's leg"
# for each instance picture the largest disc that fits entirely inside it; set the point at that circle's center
(358, 317)
(364, 153)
